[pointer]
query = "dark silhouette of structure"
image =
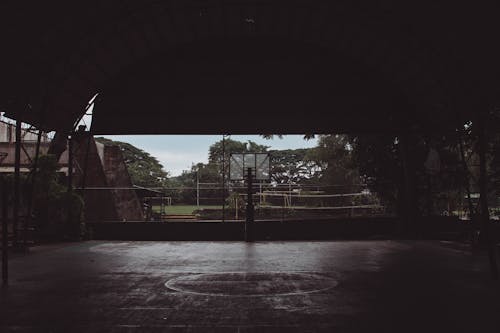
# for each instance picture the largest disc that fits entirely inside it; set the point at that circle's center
(306, 66)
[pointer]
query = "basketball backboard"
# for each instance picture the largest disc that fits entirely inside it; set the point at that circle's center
(258, 162)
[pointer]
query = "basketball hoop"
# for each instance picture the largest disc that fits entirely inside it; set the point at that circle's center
(257, 162)
(249, 167)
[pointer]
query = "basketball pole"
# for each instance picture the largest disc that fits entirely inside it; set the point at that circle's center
(223, 177)
(249, 209)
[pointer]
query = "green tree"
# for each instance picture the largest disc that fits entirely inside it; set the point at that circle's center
(144, 169)
(379, 165)
(493, 135)
(333, 157)
(233, 147)
(470, 137)
(53, 203)
(294, 166)
(210, 172)
(215, 153)
(378, 158)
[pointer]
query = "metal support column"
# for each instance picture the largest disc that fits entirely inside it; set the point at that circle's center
(34, 174)
(70, 163)
(17, 183)
(483, 189)
(86, 162)
(5, 232)
(70, 178)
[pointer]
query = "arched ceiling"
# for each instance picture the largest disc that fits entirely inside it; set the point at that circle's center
(203, 66)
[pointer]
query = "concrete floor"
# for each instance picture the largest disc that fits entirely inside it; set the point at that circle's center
(328, 286)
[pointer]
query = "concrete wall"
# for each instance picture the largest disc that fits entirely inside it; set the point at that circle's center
(99, 204)
(126, 201)
(105, 168)
(445, 228)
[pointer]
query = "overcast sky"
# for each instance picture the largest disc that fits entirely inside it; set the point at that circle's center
(179, 152)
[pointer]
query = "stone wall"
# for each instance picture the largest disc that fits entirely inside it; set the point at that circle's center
(99, 203)
(126, 201)
(105, 168)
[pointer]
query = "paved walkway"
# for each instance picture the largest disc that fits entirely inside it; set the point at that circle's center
(334, 286)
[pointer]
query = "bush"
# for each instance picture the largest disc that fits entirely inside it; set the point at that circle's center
(58, 213)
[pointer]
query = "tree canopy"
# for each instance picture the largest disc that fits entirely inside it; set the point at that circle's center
(233, 147)
(294, 166)
(329, 162)
(144, 170)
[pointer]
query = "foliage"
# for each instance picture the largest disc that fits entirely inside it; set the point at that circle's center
(308, 136)
(334, 158)
(294, 166)
(215, 153)
(53, 203)
(287, 166)
(234, 201)
(211, 172)
(144, 169)
(493, 124)
(378, 158)
(330, 162)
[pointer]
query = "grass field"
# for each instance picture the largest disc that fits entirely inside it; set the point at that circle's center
(183, 209)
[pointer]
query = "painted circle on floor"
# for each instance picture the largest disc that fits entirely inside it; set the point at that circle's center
(246, 284)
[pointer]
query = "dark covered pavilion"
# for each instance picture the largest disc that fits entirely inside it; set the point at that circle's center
(252, 67)
(168, 67)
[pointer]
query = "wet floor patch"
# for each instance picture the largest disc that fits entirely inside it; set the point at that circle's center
(245, 284)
